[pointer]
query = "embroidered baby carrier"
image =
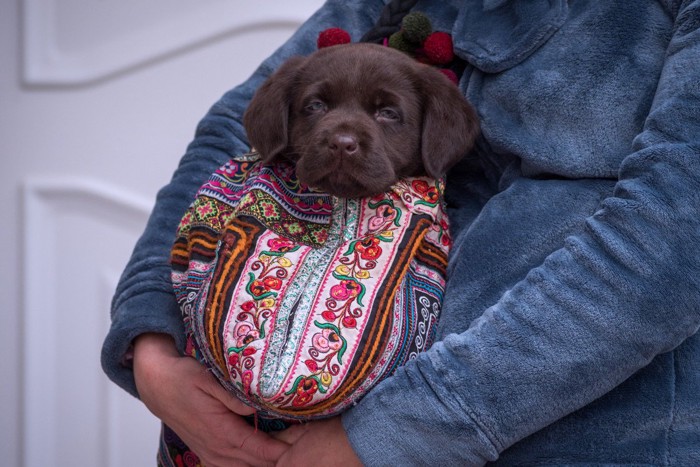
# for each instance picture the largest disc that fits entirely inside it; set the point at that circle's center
(299, 302)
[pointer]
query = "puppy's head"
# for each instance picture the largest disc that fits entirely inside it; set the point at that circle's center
(358, 117)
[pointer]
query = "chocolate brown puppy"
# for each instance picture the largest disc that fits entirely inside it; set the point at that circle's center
(357, 117)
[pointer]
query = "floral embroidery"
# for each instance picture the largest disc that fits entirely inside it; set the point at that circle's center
(304, 391)
(443, 231)
(244, 333)
(369, 248)
(253, 315)
(324, 341)
(347, 289)
(280, 245)
(385, 212)
(344, 306)
(429, 194)
(260, 289)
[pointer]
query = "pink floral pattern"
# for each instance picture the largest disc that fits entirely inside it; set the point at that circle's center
(253, 314)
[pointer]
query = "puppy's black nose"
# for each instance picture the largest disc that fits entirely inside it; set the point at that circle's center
(343, 145)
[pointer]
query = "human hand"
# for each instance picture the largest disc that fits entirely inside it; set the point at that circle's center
(319, 443)
(179, 391)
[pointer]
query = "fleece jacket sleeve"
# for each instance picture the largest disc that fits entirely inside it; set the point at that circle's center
(619, 292)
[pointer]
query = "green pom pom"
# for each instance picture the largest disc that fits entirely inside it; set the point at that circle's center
(398, 41)
(416, 27)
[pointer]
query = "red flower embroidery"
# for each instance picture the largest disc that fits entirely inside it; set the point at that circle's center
(257, 288)
(272, 283)
(428, 193)
(305, 392)
(345, 290)
(311, 365)
(369, 248)
(445, 233)
(280, 245)
(233, 359)
(421, 186)
(349, 322)
(249, 351)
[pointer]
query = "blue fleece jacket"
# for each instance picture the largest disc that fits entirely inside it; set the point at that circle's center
(568, 333)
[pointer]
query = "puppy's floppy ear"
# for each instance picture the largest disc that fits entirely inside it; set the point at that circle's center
(266, 119)
(450, 124)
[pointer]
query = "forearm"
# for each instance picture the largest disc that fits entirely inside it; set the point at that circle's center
(593, 314)
(151, 352)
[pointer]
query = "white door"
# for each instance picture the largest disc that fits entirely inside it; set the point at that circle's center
(98, 101)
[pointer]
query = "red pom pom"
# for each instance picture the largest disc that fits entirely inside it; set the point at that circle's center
(438, 48)
(451, 75)
(332, 36)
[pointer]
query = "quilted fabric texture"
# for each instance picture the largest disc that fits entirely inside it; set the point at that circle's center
(300, 302)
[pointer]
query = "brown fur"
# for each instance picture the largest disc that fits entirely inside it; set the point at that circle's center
(357, 117)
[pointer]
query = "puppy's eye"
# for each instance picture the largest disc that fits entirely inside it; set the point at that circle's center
(315, 107)
(387, 113)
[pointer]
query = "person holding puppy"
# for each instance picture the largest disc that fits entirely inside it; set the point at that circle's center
(569, 326)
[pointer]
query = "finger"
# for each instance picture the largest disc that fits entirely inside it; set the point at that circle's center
(233, 440)
(228, 462)
(291, 434)
(249, 443)
(230, 401)
(211, 386)
(262, 446)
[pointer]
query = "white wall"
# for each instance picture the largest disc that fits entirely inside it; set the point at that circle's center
(97, 103)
